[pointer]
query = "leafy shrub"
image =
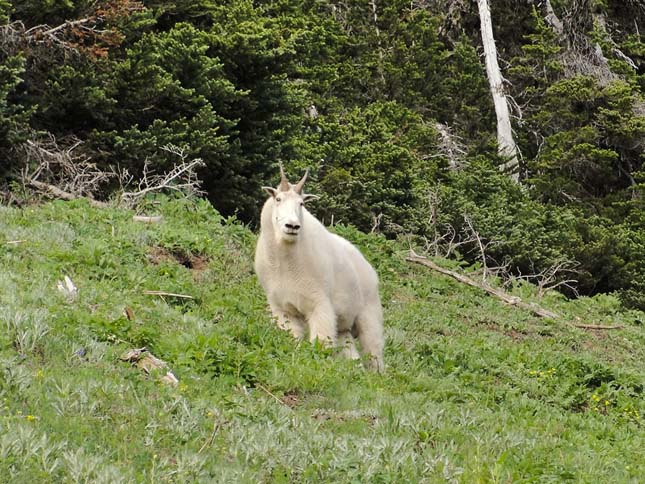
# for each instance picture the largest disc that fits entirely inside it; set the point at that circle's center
(533, 236)
(373, 165)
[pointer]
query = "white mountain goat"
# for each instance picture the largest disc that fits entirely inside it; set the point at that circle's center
(315, 280)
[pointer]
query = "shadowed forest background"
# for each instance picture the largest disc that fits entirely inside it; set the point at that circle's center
(387, 101)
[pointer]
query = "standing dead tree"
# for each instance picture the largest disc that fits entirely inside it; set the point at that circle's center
(450, 146)
(506, 144)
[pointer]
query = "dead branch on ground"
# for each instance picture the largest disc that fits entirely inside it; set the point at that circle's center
(62, 170)
(153, 219)
(181, 178)
(598, 326)
(498, 293)
(550, 277)
(169, 294)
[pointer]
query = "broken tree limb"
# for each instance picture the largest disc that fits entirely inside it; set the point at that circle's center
(498, 293)
(598, 326)
(153, 219)
(62, 194)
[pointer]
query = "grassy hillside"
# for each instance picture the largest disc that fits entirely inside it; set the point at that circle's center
(475, 391)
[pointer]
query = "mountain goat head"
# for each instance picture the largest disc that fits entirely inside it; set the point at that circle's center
(288, 204)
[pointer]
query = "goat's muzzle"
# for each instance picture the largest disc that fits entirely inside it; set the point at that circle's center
(291, 229)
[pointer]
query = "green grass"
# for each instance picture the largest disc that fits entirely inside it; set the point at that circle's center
(475, 391)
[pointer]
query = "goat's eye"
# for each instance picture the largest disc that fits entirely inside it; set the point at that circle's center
(278, 199)
(302, 204)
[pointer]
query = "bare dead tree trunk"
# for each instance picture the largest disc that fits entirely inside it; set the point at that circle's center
(506, 143)
(378, 36)
(552, 19)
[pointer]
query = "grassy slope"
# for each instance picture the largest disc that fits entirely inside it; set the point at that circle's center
(475, 391)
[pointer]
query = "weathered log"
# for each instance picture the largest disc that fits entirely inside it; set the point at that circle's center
(498, 293)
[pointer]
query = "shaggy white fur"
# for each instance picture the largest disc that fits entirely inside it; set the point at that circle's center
(316, 281)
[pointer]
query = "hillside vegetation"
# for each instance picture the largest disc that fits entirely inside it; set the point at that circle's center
(387, 101)
(475, 391)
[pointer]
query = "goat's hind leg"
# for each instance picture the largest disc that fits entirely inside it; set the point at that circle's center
(369, 330)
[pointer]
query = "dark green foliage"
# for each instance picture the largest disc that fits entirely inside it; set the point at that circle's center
(532, 236)
(355, 91)
(14, 117)
(5, 10)
(374, 166)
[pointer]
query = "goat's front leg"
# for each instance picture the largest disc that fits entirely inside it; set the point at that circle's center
(347, 346)
(289, 323)
(322, 324)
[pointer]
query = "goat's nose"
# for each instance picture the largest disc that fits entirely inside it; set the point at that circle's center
(293, 226)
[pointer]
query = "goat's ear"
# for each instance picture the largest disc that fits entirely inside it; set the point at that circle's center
(271, 191)
(308, 196)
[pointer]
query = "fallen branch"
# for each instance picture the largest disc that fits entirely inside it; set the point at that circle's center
(147, 219)
(507, 298)
(268, 392)
(181, 178)
(216, 427)
(14, 242)
(63, 195)
(171, 294)
(598, 326)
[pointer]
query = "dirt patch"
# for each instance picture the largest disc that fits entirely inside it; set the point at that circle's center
(516, 335)
(291, 399)
(194, 262)
(513, 333)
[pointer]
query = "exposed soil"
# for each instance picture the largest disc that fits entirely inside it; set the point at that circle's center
(194, 262)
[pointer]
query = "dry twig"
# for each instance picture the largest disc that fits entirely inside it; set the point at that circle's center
(181, 178)
(549, 278)
(598, 326)
(216, 427)
(170, 294)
